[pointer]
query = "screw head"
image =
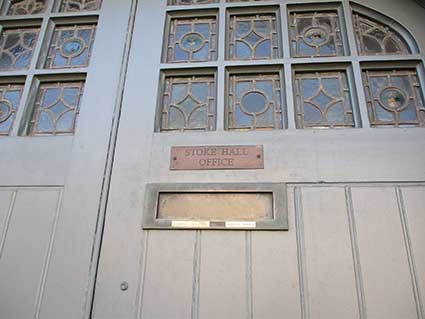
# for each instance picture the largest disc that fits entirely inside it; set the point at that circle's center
(124, 286)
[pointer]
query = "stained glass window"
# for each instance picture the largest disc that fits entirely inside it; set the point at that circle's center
(10, 97)
(192, 40)
(394, 98)
(254, 102)
(189, 2)
(188, 104)
(17, 48)
(80, 5)
(56, 108)
(316, 34)
(253, 37)
(323, 100)
(374, 38)
(26, 7)
(71, 46)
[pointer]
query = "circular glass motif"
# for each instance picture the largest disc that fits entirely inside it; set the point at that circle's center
(316, 36)
(254, 102)
(192, 41)
(393, 98)
(5, 110)
(72, 47)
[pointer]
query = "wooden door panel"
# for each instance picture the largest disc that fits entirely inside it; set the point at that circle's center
(28, 234)
(345, 254)
(35, 167)
(386, 274)
(323, 267)
(223, 275)
(412, 205)
(169, 265)
(324, 233)
(275, 271)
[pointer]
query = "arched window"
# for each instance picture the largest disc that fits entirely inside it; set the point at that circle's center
(287, 65)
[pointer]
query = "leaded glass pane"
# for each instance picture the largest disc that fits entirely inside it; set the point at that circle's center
(188, 104)
(192, 40)
(26, 7)
(71, 46)
(253, 37)
(374, 38)
(80, 5)
(189, 2)
(316, 34)
(394, 98)
(56, 108)
(323, 100)
(10, 97)
(254, 102)
(17, 48)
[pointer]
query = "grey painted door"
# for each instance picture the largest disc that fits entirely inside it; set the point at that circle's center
(355, 245)
(51, 186)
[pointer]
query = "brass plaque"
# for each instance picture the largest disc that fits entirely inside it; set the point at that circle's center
(217, 157)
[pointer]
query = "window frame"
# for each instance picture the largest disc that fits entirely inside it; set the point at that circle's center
(288, 63)
(36, 73)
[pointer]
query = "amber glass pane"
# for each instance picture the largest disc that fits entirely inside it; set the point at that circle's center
(80, 5)
(192, 40)
(254, 102)
(56, 108)
(71, 46)
(189, 2)
(316, 34)
(10, 97)
(188, 104)
(253, 37)
(26, 7)
(374, 38)
(394, 98)
(323, 100)
(17, 47)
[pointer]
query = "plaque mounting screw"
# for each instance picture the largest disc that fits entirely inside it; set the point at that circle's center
(258, 156)
(124, 286)
(174, 158)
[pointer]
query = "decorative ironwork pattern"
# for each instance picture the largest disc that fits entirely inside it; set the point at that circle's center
(56, 109)
(192, 40)
(323, 100)
(254, 102)
(253, 37)
(316, 34)
(17, 48)
(10, 97)
(189, 2)
(80, 5)
(394, 98)
(188, 104)
(71, 46)
(376, 39)
(26, 7)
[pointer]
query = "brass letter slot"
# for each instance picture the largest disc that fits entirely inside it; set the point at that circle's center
(216, 206)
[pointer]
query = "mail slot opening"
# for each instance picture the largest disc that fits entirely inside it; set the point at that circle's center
(204, 206)
(213, 206)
